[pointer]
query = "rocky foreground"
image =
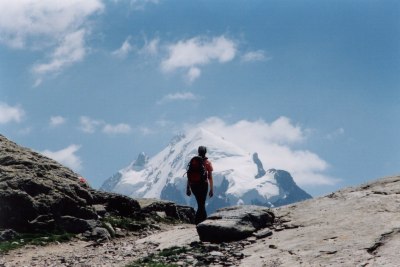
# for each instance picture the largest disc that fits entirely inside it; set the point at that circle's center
(352, 227)
(357, 226)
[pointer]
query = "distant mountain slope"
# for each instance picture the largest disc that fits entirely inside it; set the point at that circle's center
(239, 175)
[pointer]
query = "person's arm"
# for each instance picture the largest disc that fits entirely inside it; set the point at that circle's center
(188, 191)
(210, 179)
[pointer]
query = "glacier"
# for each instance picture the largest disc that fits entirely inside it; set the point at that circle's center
(239, 175)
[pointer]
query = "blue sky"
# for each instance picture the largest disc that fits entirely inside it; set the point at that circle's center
(313, 85)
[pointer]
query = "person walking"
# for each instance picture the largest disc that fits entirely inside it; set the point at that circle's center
(199, 173)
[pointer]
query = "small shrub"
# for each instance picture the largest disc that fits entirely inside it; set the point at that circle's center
(40, 239)
(159, 260)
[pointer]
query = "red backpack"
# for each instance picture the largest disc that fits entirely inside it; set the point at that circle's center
(196, 170)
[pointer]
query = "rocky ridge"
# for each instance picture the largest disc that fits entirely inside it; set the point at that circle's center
(38, 194)
(357, 226)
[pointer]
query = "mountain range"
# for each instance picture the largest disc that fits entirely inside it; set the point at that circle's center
(239, 175)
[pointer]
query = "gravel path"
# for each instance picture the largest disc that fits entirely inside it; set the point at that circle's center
(117, 252)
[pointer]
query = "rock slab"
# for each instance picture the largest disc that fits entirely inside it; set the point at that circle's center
(37, 194)
(234, 223)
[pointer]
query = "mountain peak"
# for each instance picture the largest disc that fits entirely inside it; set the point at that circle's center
(239, 176)
(141, 160)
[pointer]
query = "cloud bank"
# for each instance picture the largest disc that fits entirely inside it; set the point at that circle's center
(178, 97)
(124, 50)
(47, 25)
(275, 144)
(9, 113)
(57, 121)
(190, 54)
(66, 156)
(89, 125)
(253, 56)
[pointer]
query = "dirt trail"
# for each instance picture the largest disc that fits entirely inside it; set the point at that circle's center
(117, 252)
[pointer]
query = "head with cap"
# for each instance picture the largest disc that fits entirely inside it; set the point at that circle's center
(202, 151)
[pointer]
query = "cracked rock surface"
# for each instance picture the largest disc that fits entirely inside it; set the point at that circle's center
(352, 227)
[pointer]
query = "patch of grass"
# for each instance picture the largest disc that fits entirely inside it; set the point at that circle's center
(151, 264)
(172, 251)
(34, 239)
(159, 260)
(126, 223)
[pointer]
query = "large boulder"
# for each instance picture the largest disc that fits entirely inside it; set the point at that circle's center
(167, 208)
(116, 204)
(39, 194)
(234, 223)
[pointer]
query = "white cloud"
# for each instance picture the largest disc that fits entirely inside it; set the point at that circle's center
(198, 51)
(57, 121)
(124, 50)
(193, 74)
(146, 130)
(71, 50)
(66, 156)
(89, 125)
(338, 132)
(57, 27)
(275, 143)
(151, 48)
(141, 4)
(9, 113)
(252, 56)
(23, 21)
(120, 128)
(178, 97)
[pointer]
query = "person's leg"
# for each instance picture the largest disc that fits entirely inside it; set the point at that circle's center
(200, 193)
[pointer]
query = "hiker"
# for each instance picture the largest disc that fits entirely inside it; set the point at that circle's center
(199, 175)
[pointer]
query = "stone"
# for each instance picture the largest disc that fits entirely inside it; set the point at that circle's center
(170, 209)
(8, 234)
(262, 233)
(32, 185)
(116, 204)
(234, 223)
(37, 194)
(101, 234)
(76, 225)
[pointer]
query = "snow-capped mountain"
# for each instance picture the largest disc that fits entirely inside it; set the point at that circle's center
(239, 175)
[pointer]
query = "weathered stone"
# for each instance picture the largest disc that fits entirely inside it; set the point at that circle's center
(178, 212)
(101, 234)
(76, 225)
(110, 229)
(32, 185)
(234, 223)
(115, 203)
(39, 194)
(262, 233)
(100, 209)
(8, 234)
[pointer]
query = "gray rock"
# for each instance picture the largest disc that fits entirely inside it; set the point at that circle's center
(76, 225)
(234, 223)
(101, 234)
(32, 185)
(8, 234)
(110, 229)
(39, 194)
(262, 233)
(116, 204)
(178, 212)
(356, 226)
